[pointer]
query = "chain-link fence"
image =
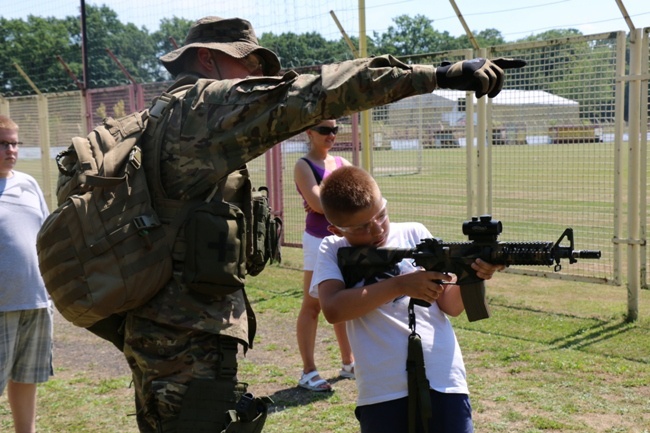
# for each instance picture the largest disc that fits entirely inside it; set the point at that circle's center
(551, 151)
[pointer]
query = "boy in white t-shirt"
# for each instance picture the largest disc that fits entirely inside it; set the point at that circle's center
(376, 312)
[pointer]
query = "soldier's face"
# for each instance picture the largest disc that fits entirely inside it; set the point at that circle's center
(227, 67)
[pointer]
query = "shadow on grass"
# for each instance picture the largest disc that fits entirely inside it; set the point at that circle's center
(592, 332)
(267, 295)
(293, 397)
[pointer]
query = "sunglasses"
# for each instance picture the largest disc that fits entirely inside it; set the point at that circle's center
(326, 130)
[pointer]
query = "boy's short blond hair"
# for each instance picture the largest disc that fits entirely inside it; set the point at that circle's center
(347, 190)
(7, 123)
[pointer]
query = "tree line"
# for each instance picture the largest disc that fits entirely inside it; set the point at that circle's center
(49, 50)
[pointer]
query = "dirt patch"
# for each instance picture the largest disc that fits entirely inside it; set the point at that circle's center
(271, 368)
(76, 351)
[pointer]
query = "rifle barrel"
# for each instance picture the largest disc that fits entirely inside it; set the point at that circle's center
(586, 254)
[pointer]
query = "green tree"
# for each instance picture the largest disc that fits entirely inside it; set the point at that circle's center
(412, 36)
(170, 29)
(33, 45)
(133, 47)
(551, 34)
(484, 38)
(306, 49)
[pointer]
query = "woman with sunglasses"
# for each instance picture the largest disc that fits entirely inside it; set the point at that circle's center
(309, 171)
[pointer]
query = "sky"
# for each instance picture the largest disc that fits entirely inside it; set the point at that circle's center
(515, 20)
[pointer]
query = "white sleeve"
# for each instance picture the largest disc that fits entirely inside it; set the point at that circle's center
(327, 267)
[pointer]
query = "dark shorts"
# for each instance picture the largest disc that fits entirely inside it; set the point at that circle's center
(452, 413)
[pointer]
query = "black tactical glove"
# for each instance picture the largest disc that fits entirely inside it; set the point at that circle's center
(482, 76)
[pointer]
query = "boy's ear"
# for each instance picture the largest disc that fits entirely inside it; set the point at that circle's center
(334, 230)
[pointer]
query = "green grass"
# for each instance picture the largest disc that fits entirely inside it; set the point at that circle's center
(537, 192)
(556, 356)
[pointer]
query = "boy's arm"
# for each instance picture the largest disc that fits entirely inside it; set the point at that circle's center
(450, 301)
(339, 303)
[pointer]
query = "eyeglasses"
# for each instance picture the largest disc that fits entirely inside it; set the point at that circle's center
(363, 229)
(4, 145)
(326, 130)
(253, 63)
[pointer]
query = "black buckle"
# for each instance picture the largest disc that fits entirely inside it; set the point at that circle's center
(145, 222)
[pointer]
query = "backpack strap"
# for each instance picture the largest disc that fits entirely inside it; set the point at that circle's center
(171, 211)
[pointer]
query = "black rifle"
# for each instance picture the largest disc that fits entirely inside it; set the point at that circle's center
(357, 263)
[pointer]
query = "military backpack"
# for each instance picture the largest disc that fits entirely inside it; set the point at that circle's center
(110, 246)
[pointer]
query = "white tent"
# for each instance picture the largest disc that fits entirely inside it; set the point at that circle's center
(516, 114)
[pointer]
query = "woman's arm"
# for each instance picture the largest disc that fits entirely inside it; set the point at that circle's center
(310, 190)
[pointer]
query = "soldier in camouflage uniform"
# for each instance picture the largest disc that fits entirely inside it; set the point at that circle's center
(182, 346)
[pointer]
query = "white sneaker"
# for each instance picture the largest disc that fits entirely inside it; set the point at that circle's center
(347, 371)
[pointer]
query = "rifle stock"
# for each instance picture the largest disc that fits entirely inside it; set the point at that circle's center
(357, 263)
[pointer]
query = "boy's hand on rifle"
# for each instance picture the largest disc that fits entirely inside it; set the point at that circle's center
(485, 270)
(424, 285)
(483, 76)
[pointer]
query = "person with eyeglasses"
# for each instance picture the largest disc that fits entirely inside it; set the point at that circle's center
(376, 313)
(26, 312)
(309, 172)
(230, 102)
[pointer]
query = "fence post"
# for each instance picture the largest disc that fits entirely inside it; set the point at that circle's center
(470, 151)
(484, 183)
(44, 135)
(274, 181)
(619, 127)
(634, 177)
(4, 106)
(643, 161)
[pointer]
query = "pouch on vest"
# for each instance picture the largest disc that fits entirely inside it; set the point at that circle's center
(264, 234)
(215, 259)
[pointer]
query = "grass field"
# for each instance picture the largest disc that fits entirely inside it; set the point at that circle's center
(557, 356)
(537, 192)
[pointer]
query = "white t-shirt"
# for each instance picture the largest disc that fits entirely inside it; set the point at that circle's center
(379, 339)
(22, 212)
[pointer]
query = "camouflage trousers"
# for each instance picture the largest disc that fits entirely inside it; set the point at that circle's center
(165, 360)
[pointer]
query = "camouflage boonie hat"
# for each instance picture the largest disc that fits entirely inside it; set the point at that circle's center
(232, 36)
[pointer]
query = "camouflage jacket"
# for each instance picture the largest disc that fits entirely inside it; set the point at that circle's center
(219, 125)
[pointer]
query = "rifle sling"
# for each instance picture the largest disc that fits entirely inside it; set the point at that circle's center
(418, 384)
